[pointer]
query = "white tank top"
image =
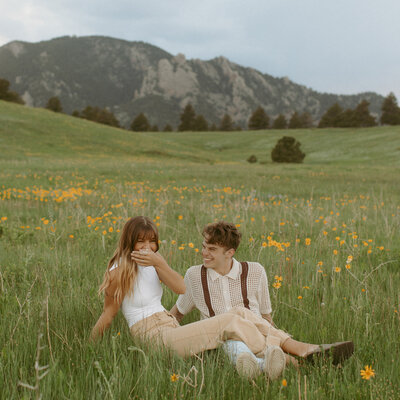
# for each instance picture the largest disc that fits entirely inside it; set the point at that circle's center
(146, 297)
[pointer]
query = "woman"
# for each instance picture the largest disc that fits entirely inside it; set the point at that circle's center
(132, 283)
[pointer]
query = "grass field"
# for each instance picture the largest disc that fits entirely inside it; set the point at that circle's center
(327, 230)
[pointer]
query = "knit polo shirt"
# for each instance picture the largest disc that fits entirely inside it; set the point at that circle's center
(225, 290)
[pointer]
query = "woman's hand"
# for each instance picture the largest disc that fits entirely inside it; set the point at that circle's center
(166, 274)
(147, 258)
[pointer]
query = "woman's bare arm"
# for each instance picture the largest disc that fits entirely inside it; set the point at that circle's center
(110, 310)
(166, 274)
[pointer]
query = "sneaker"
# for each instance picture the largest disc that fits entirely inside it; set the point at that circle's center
(274, 362)
(247, 365)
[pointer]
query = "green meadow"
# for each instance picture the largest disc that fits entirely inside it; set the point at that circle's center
(327, 232)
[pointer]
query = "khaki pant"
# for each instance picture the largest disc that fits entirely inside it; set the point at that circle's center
(237, 324)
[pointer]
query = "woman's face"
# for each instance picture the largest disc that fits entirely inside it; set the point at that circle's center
(146, 243)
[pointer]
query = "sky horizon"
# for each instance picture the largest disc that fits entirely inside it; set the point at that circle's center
(341, 47)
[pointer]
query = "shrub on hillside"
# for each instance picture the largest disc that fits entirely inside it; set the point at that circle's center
(7, 95)
(287, 150)
(54, 104)
(252, 159)
(99, 115)
(140, 124)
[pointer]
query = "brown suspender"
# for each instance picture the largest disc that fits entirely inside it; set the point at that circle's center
(206, 291)
(243, 286)
(243, 282)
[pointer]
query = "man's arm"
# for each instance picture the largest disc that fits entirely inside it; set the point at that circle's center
(175, 312)
(185, 301)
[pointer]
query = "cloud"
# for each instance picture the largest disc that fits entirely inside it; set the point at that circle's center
(341, 46)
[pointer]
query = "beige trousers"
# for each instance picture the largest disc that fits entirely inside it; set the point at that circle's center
(237, 324)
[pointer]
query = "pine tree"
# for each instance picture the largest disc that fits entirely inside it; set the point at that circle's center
(226, 123)
(167, 128)
(187, 118)
(200, 124)
(331, 118)
(306, 120)
(390, 111)
(258, 120)
(287, 150)
(362, 117)
(54, 104)
(346, 119)
(280, 122)
(140, 123)
(295, 122)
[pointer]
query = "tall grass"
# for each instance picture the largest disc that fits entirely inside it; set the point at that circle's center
(66, 188)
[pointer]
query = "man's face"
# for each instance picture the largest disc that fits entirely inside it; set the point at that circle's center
(214, 255)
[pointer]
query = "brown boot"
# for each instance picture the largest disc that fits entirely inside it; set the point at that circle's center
(339, 351)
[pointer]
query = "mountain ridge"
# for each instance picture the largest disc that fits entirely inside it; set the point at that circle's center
(130, 77)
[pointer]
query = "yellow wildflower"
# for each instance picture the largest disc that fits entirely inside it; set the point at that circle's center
(174, 377)
(367, 373)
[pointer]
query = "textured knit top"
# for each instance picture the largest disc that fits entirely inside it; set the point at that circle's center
(146, 297)
(225, 290)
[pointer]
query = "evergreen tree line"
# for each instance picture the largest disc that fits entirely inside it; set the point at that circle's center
(334, 117)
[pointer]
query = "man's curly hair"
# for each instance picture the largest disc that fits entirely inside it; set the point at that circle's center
(222, 233)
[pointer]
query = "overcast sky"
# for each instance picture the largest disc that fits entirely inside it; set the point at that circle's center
(336, 46)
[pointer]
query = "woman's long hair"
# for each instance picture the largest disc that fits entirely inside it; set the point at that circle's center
(135, 228)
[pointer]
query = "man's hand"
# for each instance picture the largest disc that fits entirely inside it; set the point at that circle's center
(268, 317)
(175, 312)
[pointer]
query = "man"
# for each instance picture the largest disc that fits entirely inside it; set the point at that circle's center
(223, 283)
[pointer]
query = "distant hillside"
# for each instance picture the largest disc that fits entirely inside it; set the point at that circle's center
(39, 134)
(134, 77)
